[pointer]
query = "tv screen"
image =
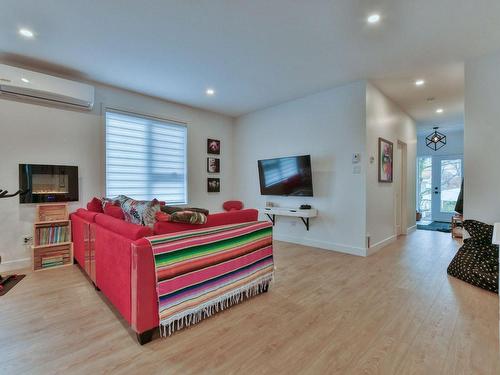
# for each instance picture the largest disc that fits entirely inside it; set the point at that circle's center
(290, 176)
(48, 183)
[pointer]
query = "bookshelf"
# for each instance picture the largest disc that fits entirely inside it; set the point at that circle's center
(52, 246)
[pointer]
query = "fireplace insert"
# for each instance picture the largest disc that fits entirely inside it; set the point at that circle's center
(48, 183)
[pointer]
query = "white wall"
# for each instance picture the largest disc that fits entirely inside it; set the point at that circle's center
(454, 144)
(330, 126)
(386, 120)
(482, 139)
(39, 134)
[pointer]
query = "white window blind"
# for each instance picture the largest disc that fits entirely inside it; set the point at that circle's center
(145, 158)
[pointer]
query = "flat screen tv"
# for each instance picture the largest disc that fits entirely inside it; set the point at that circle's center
(289, 176)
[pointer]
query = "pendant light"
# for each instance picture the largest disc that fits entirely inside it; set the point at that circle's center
(435, 140)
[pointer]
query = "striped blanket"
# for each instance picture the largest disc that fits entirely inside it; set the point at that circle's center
(200, 272)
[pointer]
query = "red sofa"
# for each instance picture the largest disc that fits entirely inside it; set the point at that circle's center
(118, 259)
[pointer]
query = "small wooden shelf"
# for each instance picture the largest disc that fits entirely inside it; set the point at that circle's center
(457, 222)
(51, 245)
(52, 224)
(52, 212)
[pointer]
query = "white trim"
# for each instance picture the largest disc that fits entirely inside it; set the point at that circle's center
(380, 245)
(16, 264)
(359, 251)
(496, 234)
(403, 190)
(105, 109)
(411, 229)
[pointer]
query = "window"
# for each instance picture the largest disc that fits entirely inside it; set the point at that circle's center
(145, 158)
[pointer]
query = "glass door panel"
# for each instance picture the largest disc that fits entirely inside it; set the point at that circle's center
(447, 182)
(439, 180)
(451, 181)
(424, 187)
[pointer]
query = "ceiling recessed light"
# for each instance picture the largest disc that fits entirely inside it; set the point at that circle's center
(373, 18)
(419, 82)
(25, 80)
(210, 92)
(27, 33)
(439, 110)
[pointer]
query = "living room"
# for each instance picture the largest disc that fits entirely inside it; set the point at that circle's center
(184, 107)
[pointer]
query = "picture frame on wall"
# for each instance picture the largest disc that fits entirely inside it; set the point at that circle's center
(385, 160)
(213, 165)
(213, 185)
(213, 146)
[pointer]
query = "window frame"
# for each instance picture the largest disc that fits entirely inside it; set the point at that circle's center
(105, 110)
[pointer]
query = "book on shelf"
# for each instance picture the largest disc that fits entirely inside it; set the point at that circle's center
(52, 235)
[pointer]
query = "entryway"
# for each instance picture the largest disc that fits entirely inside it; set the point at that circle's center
(439, 180)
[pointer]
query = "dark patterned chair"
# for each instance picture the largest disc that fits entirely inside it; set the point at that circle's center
(476, 262)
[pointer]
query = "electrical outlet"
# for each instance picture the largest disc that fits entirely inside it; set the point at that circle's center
(27, 240)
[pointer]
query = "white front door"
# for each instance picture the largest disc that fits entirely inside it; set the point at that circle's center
(438, 186)
(447, 173)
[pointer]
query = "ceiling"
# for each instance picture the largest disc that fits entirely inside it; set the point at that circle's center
(259, 53)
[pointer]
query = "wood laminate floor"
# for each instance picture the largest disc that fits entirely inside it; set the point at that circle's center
(396, 312)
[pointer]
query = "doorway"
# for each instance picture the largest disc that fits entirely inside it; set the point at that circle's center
(439, 180)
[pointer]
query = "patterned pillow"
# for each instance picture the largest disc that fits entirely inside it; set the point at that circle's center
(171, 209)
(479, 232)
(121, 199)
(140, 212)
(189, 217)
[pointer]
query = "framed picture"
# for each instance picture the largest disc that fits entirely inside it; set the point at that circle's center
(385, 160)
(213, 185)
(213, 146)
(213, 165)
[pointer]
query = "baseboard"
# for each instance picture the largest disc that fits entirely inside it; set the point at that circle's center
(17, 264)
(326, 245)
(411, 229)
(380, 245)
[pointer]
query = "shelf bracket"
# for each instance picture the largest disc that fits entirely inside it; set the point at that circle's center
(272, 218)
(306, 222)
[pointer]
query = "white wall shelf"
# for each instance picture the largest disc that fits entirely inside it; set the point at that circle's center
(303, 214)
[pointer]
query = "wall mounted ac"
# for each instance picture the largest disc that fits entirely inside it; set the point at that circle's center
(32, 86)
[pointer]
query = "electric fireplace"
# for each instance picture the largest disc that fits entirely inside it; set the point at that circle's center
(48, 183)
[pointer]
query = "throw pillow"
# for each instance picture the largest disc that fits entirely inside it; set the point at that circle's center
(171, 209)
(114, 210)
(140, 212)
(188, 217)
(162, 216)
(95, 205)
(479, 231)
(106, 201)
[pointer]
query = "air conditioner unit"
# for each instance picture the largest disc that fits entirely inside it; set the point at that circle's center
(28, 85)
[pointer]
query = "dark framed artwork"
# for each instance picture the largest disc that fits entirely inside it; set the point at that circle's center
(213, 146)
(213, 185)
(213, 165)
(385, 160)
